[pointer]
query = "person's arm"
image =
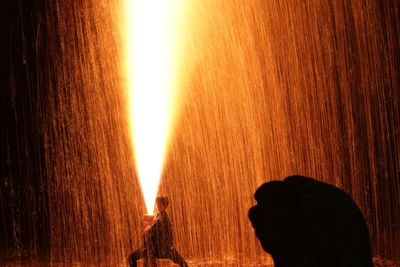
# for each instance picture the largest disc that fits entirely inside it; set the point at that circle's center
(150, 226)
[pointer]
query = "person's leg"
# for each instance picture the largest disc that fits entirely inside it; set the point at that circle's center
(149, 258)
(134, 257)
(150, 261)
(176, 258)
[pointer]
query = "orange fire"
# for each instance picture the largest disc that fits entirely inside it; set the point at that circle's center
(152, 57)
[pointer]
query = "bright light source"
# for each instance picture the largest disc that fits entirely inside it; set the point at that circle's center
(151, 61)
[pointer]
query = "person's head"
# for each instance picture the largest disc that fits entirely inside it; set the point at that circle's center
(303, 222)
(162, 203)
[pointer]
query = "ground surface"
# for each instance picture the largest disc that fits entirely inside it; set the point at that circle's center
(163, 263)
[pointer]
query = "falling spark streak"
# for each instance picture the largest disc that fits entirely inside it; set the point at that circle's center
(151, 59)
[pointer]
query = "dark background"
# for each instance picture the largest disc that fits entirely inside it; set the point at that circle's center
(24, 217)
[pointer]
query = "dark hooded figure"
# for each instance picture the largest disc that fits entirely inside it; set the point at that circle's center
(157, 237)
(305, 223)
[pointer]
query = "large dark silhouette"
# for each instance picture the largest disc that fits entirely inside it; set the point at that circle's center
(305, 223)
(157, 239)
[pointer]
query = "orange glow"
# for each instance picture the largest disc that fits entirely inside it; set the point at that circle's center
(151, 60)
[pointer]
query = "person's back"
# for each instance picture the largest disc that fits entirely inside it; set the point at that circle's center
(161, 235)
(303, 222)
(157, 237)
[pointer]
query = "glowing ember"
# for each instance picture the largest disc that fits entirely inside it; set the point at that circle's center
(151, 61)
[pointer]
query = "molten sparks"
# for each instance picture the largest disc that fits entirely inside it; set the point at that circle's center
(151, 59)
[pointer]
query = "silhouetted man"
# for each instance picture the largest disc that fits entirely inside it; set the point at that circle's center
(158, 242)
(305, 223)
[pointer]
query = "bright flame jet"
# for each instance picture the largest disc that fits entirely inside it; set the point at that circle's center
(151, 61)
